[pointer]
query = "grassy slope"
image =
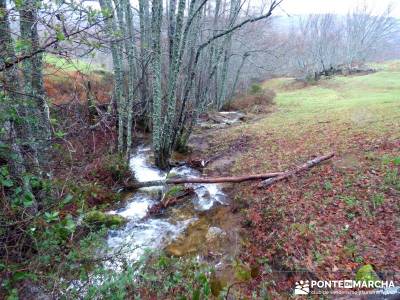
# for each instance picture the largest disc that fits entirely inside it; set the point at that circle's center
(301, 224)
(71, 65)
(66, 80)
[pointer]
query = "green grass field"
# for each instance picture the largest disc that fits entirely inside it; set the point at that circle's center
(368, 102)
(343, 214)
(70, 64)
(326, 116)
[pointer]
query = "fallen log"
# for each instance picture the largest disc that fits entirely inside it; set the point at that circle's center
(273, 177)
(308, 165)
(237, 179)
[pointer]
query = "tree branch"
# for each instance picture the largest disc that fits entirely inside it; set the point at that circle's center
(9, 64)
(274, 4)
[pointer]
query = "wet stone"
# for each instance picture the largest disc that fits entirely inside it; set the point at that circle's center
(214, 233)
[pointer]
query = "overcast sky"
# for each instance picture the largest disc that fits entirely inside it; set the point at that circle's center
(335, 6)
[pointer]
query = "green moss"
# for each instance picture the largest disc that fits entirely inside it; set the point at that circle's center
(98, 218)
(242, 272)
(171, 175)
(366, 273)
(216, 285)
(174, 191)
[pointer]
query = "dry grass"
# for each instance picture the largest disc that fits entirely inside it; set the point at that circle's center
(65, 87)
(257, 102)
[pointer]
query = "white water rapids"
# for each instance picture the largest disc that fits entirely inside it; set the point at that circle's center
(142, 233)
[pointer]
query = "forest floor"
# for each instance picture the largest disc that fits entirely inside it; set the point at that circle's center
(341, 215)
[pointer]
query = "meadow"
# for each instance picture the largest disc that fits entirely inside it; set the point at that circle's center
(340, 216)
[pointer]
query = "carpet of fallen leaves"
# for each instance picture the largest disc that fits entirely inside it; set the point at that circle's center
(327, 222)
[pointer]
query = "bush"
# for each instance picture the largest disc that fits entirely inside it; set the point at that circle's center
(109, 170)
(256, 101)
(256, 89)
(117, 167)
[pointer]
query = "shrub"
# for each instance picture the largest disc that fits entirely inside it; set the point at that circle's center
(255, 89)
(108, 170)
(256, 101)
(117, 166)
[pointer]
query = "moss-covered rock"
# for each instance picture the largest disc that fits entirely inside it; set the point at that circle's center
(98, 218)
(171, 175)
(366, 274)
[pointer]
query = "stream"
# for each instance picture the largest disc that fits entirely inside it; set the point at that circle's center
(202, 226)
(180, 230)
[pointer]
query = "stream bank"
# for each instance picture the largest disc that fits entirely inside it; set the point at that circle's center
(203, 226)
(201, 233)
(186, 228)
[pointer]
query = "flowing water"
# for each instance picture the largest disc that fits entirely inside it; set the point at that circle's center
(156, 232)
(202, 225)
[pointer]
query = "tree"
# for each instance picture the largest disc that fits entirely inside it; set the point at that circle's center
(322, 44)
(171, 129)
(16, 135)
(25, 137)
(366, 33)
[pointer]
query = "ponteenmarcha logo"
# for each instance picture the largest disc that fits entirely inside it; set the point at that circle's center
(302, 287)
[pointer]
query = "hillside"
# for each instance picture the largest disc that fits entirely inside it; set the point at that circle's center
(339, 216)
(73, 81)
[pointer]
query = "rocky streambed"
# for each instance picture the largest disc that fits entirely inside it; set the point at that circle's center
(202, 225)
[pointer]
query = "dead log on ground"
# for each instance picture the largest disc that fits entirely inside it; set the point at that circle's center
(273, 177)
(137, 185)
(308, 165)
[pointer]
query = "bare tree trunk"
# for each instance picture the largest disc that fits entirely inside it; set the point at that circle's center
(174, 66)
(236, 80)
(144, 21)
(161, 161)
(130, 44)
(116, 53)
(15, 132)
(237, 179)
